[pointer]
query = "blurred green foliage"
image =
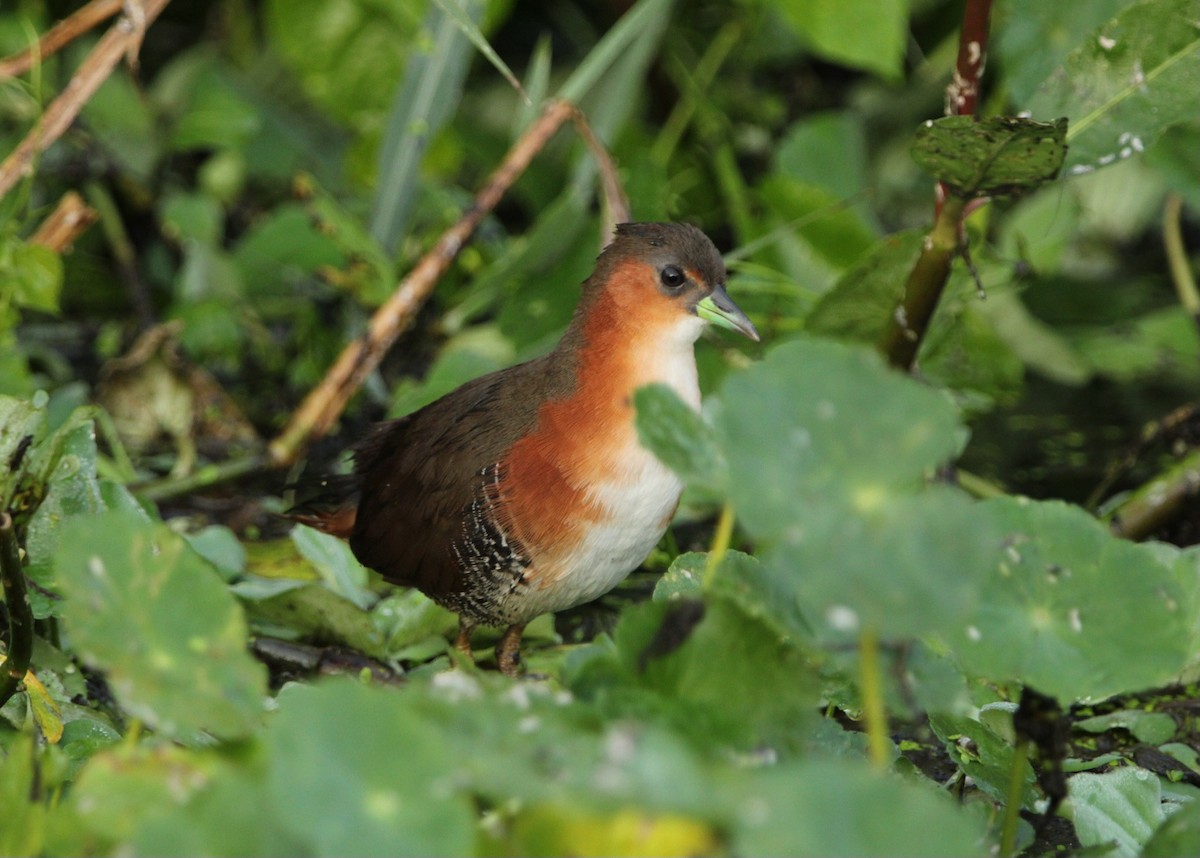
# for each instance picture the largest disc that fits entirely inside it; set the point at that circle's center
(266, 177)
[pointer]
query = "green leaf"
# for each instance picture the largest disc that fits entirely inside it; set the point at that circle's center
(1152, 728)
(1037, 344)
(911, 566)
(641, 21)
(1126, 84)
(469, 354)
(710, 669)
(311, 610)
(192, 217)
(220, 547)
(1124, 806)
(339, 792)
(24, 826)
(874, 43)
(841, 807)
(413, 625)
(990, 157)
(215, 114)
(228, 816)
(1033, 36)
(142, 606)
(20, 423)
(121, 119)
(1155, 344)
(117, 790)
(741, 579)
(819, 424)
(966, 353)
(72, 490)
(336, 564)
(34, 273)
(679, 437)
(834, 231)
(1055, 607)
(1178, 835)
(987, 759)
(427, 98)
(346, 52)
(283, 248)
(827, 149)
(858, 306)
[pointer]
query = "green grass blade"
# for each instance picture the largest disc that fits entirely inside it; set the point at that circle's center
(427, 98)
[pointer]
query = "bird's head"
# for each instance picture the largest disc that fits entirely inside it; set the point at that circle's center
(664, 275)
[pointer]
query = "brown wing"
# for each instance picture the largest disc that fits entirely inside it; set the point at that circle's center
(420, 474)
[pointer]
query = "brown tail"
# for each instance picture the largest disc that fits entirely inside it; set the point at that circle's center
(330, 504)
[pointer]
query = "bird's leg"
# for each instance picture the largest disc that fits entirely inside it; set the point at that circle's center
(508, 651)
(462, 643)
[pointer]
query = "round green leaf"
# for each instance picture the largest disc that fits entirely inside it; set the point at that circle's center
(840, 807)
(913, 565)
(820, 423)
(1071, 610)
(377, 783)
(150, 612)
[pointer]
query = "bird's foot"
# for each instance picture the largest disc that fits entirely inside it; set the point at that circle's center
(462, 643)
(508, 651)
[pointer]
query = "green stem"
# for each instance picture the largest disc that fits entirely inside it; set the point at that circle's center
(871, 683)
(209, 475)
(906, 328)
(1181, 270)
(1156, 502)
(1012, 803)
(20, 618)
(720, 544)
(694, 87)
(977, 486)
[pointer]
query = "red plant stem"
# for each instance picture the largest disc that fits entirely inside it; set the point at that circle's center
(901, 340)
(962, 95)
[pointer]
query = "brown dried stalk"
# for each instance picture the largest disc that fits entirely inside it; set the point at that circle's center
(60, 35)
(122, 39)
(325, 403)
(69, 220)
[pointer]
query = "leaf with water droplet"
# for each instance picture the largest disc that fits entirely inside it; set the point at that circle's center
(142, 606)
(1055, 611)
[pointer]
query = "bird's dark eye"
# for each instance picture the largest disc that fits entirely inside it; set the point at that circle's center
(672, 277)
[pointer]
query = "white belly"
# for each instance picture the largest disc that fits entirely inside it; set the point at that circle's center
(641, 510)
(639, 499)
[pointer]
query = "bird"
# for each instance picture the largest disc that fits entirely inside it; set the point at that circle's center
(526, 491)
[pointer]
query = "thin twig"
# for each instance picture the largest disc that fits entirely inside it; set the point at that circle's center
(322, 407)
(60, 35)
(615, 200)
(122, 37)
(69, 220)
